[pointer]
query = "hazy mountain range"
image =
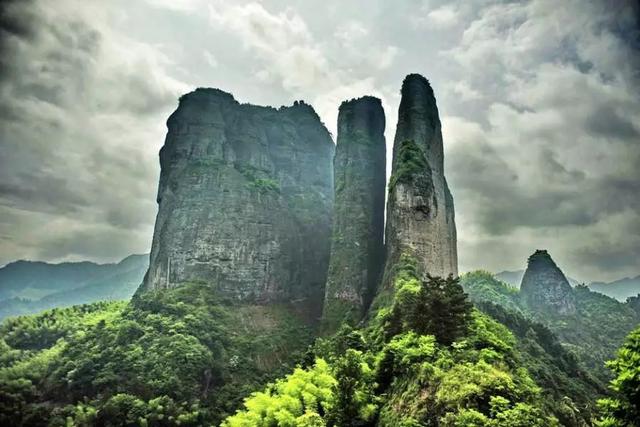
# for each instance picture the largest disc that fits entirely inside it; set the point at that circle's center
(32, 286)
(619, 289)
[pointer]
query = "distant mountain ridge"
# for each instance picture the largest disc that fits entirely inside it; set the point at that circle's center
(31, 286)
(619, 289)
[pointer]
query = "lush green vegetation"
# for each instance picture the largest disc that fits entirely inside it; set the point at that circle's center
(593, 333)
(180, 356)
(426, 357)
(412, 166)
(623, 409)
(405, 369)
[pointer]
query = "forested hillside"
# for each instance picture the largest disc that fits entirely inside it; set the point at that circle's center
(185, 357)
(30, 287)
(593, 333)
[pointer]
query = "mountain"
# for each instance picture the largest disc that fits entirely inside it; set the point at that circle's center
(587, 323)
(619, 289)
(544, 286)
(252, 236)
(29, 286)
(514, 278)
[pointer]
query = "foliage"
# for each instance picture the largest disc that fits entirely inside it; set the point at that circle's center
(300, 399)
(435, 306)
(412, 166)
(264, 185)
(623, 409)
(483, 286)
(395, 373)
(354, 401)
(258, 179)
(180, 356)
(185, 357)
(593, 333)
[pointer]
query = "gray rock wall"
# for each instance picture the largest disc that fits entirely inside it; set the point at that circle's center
(245, 200)
(420, 211)
(357, 248)
(545, 288)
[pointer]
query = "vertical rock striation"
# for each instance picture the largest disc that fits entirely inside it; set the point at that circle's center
(545, 288)
(357, 247)
(420, 212)
(245, 200)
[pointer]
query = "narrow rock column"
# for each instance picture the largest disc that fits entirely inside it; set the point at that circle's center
(357, 251)
(420, 212)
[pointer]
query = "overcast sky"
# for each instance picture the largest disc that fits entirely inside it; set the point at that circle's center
(539, 100)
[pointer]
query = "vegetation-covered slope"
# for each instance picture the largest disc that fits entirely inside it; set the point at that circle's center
(593, 332)
(178, 357)
(30, 287)
(187, 357)
(430, 360)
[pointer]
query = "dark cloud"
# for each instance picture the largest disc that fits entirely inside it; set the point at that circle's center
(607, 122)
(540, 106)
(81, 120)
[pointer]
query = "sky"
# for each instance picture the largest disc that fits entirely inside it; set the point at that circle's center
(539, 102)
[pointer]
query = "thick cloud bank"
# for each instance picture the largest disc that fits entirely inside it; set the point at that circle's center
(540, 106)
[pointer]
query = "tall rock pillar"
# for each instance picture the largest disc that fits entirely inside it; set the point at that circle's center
(357, 251)
(420, 213)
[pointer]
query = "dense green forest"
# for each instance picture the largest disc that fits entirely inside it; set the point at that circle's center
(593, 333)
(428, 358)
(167, 358)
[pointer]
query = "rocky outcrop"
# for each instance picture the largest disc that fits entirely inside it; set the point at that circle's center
(357, 247)
(245, 200)
(420, 212)
(544, 287)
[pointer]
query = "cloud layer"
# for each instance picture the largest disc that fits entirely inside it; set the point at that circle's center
(540, 106)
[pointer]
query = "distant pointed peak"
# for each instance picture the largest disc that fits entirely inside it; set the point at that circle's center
(544, 285)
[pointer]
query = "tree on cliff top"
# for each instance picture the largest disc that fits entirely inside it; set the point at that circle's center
(435, 306)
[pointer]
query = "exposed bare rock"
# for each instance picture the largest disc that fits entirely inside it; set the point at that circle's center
(245, 200)
(357, 247)
(544, 287)
(420, 212)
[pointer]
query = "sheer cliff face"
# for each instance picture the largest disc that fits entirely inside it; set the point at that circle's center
(420, 212)
(245, 200)
(357, 249)
(545, 288)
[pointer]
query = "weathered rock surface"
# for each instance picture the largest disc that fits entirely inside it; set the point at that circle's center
(357, 244)
(245, 200)
(544, 287)
(420, 211)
